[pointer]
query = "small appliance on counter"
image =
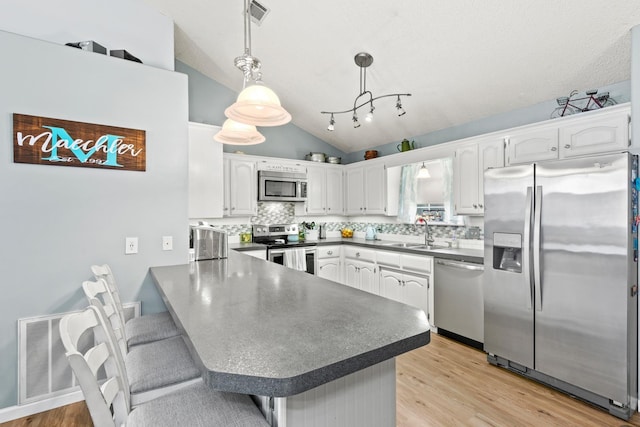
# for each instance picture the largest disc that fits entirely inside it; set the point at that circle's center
(323, 231)
(370, 233)
(208, 242)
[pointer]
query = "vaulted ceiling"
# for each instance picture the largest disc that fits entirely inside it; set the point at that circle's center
(461, 60)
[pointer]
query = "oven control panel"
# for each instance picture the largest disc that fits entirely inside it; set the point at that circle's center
(274, 230)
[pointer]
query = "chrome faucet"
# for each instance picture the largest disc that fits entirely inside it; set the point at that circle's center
(428, 240)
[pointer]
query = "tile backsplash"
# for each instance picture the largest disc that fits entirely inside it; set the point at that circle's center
(284, 213)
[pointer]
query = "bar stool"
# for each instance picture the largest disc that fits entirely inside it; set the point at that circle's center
(139, 330)
(193, 406)
(152, 369)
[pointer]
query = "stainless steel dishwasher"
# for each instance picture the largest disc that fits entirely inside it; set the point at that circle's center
(458, 302)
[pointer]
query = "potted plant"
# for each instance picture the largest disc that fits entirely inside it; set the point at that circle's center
(310, 232)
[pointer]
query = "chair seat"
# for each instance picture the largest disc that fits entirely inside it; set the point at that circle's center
(149, 328)
(196, 406)
(159, 364)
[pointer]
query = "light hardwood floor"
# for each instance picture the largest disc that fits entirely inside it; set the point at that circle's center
(442, 384)
(449, 384)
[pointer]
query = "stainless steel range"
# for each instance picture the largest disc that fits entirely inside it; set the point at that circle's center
(284, 247)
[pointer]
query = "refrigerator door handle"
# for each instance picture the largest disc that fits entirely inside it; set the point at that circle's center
(537, 280)
(526, 268)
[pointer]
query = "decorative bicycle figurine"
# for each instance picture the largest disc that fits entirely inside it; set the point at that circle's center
(593, 101)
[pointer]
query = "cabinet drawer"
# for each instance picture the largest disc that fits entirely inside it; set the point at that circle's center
(417, 263)
(389, 258)
(328, 252)
(356, 252)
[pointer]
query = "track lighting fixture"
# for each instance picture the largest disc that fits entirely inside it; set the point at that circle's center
(356, 123)
(401, 111)
(364, 60)
(332, 122)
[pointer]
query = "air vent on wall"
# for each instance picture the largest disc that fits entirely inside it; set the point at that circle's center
(258, 12)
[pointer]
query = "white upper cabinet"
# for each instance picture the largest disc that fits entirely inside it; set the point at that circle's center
(594, 132)
(205, 172)
(316, 190)
(241, 187)
(470, 162)
(366, 190)
(532, 145)
(607, 131)
(465, 180)
(354, 191)
(335, 194)
(324, 190)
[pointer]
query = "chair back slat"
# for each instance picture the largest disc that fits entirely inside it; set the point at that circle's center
(104, 272)
(97, 356)
(101, 400)
(96, 293)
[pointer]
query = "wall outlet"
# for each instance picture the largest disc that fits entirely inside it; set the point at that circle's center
(167, 243)
(130, 245)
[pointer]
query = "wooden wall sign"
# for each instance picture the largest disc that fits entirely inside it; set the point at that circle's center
(46, 141)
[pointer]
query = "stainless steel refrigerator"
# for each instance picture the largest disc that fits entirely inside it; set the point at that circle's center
(560, 280)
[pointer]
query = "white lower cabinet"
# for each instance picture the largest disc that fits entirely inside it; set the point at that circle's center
(360, 269)
(408, 280)
(361, 275)
(329, 265)
(410, 289)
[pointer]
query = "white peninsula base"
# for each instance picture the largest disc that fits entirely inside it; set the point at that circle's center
(366, 398)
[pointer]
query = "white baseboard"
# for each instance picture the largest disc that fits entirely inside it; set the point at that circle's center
(19, 411)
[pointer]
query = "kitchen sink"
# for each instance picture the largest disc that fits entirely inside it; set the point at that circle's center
(413, 245)
(401, 245)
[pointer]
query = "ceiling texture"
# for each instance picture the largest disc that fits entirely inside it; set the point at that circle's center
(462, 60)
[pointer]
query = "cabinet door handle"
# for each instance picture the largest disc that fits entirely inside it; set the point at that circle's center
(329, 252)
(480, 206)
(554, 148)
(567, 146)
(475, 206)
(328, 209)
(358, 254)
(233, 209)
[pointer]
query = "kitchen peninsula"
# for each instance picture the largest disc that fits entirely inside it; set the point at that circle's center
(308, 346)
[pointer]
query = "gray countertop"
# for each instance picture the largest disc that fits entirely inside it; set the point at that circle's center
(458, 254)
(259, 328)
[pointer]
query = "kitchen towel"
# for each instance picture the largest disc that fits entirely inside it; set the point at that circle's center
(296, 259)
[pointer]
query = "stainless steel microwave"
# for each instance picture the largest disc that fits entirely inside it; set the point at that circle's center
(282, 186)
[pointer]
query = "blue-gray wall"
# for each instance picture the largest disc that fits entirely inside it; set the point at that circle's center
(207, 101)
(57, 221)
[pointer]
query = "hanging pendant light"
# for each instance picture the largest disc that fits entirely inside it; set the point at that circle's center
(257, 104)
(236, 133)
(423, 172)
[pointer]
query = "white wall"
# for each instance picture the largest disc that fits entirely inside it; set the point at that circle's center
(56, 221)
(115, 24)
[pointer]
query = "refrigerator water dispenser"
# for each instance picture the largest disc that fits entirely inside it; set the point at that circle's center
(507, 252)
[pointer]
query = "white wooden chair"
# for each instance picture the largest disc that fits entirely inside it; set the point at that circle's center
(152, 369)
(139, 330)
(193, 406)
